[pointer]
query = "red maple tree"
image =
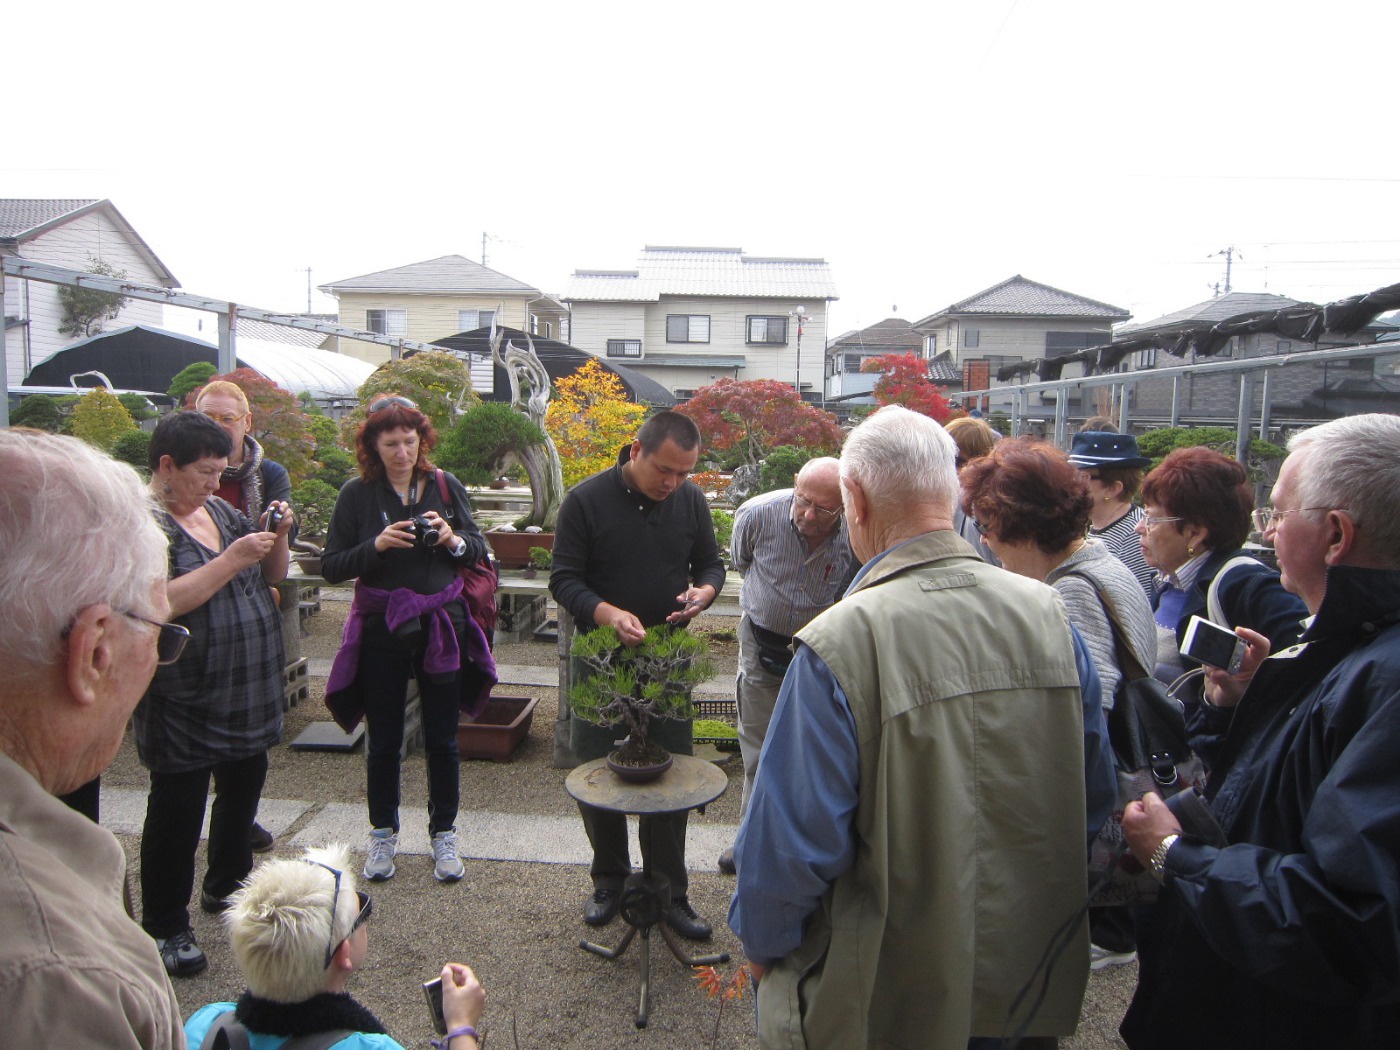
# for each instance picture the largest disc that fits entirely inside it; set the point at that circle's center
(279, 424)
(905, 382)
(743, 420)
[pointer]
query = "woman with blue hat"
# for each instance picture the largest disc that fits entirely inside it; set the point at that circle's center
(1114, 467)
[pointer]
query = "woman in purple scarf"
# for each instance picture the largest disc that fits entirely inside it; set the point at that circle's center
(393, 531)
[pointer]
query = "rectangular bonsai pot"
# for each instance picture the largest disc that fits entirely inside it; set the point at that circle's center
(512, 549)
(499, 730)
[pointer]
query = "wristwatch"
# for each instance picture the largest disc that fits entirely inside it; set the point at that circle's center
(1158, 862)
(459, 548)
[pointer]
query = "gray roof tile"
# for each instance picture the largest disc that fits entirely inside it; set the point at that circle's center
(445, 275)
(18, 217)
(1018, 297)
(1218, 309)
(710, 272)
(891, 335)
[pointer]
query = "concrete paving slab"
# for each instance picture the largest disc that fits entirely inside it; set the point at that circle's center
(123, 812)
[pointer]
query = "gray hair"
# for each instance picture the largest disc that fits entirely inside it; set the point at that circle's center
(900, 458)
(77, 528)
(1358, 469)
(285, 916)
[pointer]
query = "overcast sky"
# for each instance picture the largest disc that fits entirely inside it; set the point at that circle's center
(1107, 148)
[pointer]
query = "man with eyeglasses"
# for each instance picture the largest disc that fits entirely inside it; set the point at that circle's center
(298, 929)
(250, 482)
(82, 586)
(1288, 936)
(791, 548)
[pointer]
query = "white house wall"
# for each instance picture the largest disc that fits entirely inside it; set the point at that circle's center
(74, 245)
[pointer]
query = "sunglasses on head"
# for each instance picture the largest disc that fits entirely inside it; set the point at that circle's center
(366, 910)
(385, 402)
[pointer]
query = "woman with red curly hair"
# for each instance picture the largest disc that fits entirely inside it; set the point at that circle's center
(1197, 505)
(402, 530)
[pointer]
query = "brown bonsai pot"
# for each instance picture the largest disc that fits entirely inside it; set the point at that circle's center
(512, 549)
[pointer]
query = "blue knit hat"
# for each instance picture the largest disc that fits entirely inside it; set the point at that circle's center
(1099, 448)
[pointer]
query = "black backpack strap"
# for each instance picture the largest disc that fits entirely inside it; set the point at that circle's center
(226, 1033)
(318, 1040)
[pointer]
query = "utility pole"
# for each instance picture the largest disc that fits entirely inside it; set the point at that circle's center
(1229, 254)
(800, 313)
(308, 289)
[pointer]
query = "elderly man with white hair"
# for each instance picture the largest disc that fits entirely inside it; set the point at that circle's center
(299, 930)
(1289, 936)
(934, 770)
(82, 589)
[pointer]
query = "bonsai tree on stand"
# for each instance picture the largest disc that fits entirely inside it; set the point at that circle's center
(633, 686)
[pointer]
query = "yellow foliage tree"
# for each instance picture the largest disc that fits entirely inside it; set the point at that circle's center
(99, 419)
(589, 419)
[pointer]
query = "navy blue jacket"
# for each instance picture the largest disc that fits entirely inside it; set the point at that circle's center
(1290, 936)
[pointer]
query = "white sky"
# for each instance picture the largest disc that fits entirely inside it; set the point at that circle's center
(1106, 147)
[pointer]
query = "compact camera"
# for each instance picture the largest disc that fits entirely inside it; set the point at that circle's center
(1214, 645)
(432, 991)
(274, 518)
(424, 532)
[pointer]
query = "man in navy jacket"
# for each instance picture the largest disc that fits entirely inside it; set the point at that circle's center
(1289, 936)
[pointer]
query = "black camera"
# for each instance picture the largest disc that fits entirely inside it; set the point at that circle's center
(424, 532)
(274, 518)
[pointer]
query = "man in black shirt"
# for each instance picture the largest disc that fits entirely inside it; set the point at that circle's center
(634, 548)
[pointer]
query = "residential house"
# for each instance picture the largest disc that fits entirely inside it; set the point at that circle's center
(687, 317)
(1304, 392)
(848, 384)
(1011, 322)
(74, 234)
(437, 298)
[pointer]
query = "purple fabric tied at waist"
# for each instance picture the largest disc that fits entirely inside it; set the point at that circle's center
(443, 656)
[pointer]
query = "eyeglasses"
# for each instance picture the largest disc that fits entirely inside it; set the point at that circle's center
(226, 419)
(366, 910)
(385, 402)
(1266, 518)
(982, 530)
(1147, 521)
(805, 504)
(170, 642)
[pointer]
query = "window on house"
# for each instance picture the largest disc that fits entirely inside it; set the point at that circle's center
(972, 337)
(624, 348)
(1284, 346)
(471, 320)
(683, 394)
(768, 330)
(1362, 364)
(687, 328)
(1057, 343)
(930, 346)
(853, 363)
(1145, 358)
(387, 322)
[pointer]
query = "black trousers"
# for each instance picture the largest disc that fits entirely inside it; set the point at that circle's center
(607, 834)
(383, 677)
(174, 814)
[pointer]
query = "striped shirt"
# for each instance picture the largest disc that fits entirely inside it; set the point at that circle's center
(1121, 539)
(785, 584)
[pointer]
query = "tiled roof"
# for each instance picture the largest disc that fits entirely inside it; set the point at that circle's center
(1232, 304)
(942, 370)
(709, 272)
(18, 217)
(445, 275)
(1018, 297)
(893, 333)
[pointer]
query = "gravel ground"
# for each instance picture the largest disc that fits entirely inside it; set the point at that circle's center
(517, 924)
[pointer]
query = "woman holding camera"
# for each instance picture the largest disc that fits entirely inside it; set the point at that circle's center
(393, 531)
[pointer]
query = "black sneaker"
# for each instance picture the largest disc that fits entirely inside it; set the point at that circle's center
(682, 918)
(211, 905)
(181, 955)
(601, 908)
(260, 838)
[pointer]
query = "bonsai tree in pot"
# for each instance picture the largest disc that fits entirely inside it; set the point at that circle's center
(632, 686)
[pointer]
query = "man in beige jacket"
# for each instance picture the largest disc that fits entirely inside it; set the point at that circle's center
(82, 589)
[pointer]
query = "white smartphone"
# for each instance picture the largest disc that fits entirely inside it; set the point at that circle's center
(1212, 644)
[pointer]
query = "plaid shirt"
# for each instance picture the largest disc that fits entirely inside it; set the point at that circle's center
(222, 700)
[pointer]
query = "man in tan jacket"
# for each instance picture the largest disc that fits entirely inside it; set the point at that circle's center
(82, 589)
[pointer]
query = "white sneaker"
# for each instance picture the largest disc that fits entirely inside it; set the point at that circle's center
(1102, 957)
(447, 865)
(383, 844)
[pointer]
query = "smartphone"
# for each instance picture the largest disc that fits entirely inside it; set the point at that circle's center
(1212, 644)
(432, 991)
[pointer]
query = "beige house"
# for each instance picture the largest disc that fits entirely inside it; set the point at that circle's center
(435, 299)
(687, 317)
(1011, 322)
(72, 234)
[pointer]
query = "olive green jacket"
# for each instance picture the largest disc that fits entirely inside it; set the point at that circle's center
(970, 827)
